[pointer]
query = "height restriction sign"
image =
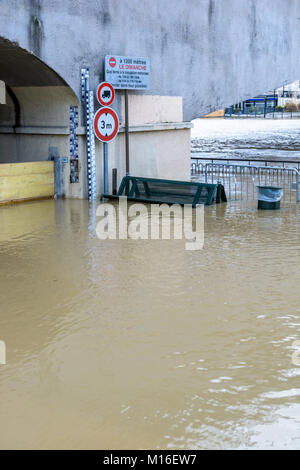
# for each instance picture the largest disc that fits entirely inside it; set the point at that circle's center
(106, 124)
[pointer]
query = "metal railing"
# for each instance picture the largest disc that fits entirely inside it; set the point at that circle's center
(240, 181)
(261, 112)
(284, 163)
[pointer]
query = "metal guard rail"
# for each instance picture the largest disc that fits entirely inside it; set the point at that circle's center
(223, 173)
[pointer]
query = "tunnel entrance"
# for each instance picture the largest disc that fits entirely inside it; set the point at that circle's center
(37, 132)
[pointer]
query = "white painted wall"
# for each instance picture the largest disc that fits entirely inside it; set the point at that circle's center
(45, 106)
(153, 153)
(147, 109)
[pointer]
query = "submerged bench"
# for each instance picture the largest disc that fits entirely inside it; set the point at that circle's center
(160, 191)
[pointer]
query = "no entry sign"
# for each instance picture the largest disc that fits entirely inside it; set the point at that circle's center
(106, 124)
(128, 73)
(112, 62)
(105, 94)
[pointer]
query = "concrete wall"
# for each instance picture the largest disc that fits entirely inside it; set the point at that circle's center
(21, 181)
(211, 52)
(146, 109)
(154, 152)
(45, 106)
(44, 124)
(205, 55)
(159, 140)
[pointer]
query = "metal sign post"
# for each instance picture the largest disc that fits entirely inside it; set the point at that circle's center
(106, 127)
(127, 134)
(127, 73)
(105, 166)
(106, 124)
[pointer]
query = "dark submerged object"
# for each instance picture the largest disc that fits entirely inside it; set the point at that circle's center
(269, 197)
(158, 191)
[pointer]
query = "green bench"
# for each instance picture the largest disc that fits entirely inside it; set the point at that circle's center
(160, 191)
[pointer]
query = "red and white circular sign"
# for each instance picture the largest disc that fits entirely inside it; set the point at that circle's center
(112, 62)
(105, 94)
(106, 124)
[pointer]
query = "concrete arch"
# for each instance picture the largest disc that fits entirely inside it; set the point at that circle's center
(19, 67)
(35, 106)
(211, 52)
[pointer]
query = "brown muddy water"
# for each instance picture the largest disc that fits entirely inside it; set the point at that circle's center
(142, 344)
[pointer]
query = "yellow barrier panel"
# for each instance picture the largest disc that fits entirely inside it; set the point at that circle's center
(21, 181)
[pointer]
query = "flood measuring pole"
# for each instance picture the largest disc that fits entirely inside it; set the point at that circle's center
(88, 103)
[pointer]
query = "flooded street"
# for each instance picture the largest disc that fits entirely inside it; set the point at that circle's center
(246, 138)
(149, 229)
(141, 344)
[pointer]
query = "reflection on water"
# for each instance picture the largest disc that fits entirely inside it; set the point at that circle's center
(142, 344)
